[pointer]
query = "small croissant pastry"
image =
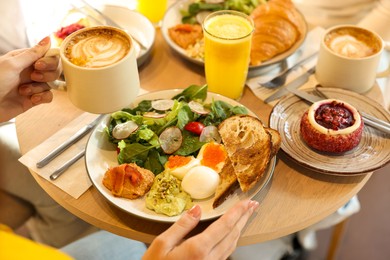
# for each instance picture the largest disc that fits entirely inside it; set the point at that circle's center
(128, 180)
(278, 25)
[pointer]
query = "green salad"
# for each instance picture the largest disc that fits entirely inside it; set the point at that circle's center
(198, 6)
(155, 129)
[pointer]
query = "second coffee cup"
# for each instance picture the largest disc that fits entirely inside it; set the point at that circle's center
(349, 57)
(100, 69)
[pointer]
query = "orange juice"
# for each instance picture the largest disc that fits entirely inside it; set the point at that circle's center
(152, 9)
(228, 37)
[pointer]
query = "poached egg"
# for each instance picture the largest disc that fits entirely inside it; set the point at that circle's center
(200, 182)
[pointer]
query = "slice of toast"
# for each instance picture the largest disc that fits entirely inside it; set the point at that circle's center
(227, 183)
(276, 140)
(248, 145)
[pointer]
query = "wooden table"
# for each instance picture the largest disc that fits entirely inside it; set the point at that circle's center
(294, 199)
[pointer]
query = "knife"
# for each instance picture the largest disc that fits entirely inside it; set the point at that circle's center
(73, 139)
(299, 81)
(57, 173)
(368, 119)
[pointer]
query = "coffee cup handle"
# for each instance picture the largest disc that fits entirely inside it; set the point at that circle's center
(56, 84)
(384, 74)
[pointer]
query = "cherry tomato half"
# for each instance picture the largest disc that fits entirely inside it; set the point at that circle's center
(194, 127)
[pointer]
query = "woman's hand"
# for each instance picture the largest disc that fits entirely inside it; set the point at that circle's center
(23, 77)
(218, 241)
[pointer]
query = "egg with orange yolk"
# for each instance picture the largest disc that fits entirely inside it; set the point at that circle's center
(180, 165)
(212, 155)
(200, 182)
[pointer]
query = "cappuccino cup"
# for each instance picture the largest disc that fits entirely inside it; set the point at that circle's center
(349, 57)
(100, 69)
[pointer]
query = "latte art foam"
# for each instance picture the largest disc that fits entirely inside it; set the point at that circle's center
(352, 43)
(350, 47)
(97, 48)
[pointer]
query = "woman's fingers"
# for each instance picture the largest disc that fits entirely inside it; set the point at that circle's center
(46, 69)
(27, 57)
(41, 98)
(47, 63)
(163, 245)
(37, 93)
(229, 226)
(32, 88)
(228, 244)
(45, 76)
(175, 234)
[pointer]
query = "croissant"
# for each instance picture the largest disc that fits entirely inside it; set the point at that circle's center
(128, 180)
(278, 25)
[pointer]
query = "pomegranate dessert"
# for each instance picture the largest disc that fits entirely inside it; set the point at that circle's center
(332, 126)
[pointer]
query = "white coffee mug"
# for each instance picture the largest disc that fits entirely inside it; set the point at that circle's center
(95, 84)
(349, 57)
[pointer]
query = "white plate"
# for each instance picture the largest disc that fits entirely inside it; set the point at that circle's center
(101, 154)
(372, 153)
(133, 22)
(173, 17)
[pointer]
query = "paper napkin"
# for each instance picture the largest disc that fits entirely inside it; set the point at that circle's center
(74, 180)
(309, 46)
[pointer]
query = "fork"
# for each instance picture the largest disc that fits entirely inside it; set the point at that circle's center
(280, 79)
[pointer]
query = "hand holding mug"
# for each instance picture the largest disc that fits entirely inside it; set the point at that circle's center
(100, 69)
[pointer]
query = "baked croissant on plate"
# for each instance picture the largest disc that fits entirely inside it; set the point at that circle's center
(128, 180)
(278, 26)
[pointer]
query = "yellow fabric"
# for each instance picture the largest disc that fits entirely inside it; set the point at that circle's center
(14, 247)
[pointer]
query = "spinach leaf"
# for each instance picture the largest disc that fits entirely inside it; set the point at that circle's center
(184, 116)
(154, 162)
(239, 110)
(190, 144)
(189, 19)
(134, 152)
(221, 110)
(195, 8)
(143, 106)
(123, 116)
(193, 92)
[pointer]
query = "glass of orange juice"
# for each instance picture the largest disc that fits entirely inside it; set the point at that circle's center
(154, 10)
(227, 36)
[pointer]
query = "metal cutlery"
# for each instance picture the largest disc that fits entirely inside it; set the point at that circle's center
(299, 81)
(368, 119)
(109, 21)
(280, 79)
(57, 173)
(73, 139)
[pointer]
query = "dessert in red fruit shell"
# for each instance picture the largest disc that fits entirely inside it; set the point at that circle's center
(332, 126)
